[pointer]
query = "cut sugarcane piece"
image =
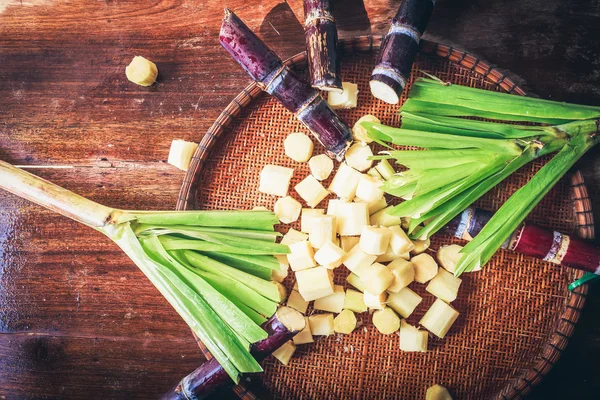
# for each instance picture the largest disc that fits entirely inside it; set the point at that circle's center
(354, 301)
(375, 301)
(284, 353)
(345, 182)
(348, 242)
(330, 255)
(437, 392)
(301, 256)
(311, 191)
(373, 172)
(382, 218)
(333, 303)
(403, 272)
(314, 283)
(142, 72)
(355, 281)
(298, 146)
(388, 256)
(420, 246)
(333, 204)
(297, 302)
(425, 267)
(449, 256)
(368, 190)
(345, 322)
(346, 99)
(320, 166)
(385, 169)
(444, 286)
(287, 209)
(374, 206)
(275, 180)
(321, 324)
(412, 339)
(278, 275)
(293, 236)
(322, 230)
(357, 260)
(386, 321)
(377, 278)
(351, 218)
(374, 240)
(404, 302)
(439, 318)
(359, 132)
(399, 241)
(405, 224)
(305, 335)
(307, 216)
(357, 156)
(180, 154)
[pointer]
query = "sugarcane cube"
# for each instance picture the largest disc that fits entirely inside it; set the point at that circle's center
(357, 260)
(322, 230)
(348, 242)
(140, 70)
(345, 182)
(305, 335)
(287, 209)
(359, 132)
(444, 286)
(382, 218)
(354, 301)
(369, 189)
(345, 322)
(404, 302)
(374, 173)
(293, 236)
(355, 281)
(388, 256)
(320, 166)
(437, 392)
(321, 324)
(357, 156)
(307, 216)
(400, 241)
(375, 206)
(333, 303)
(425, 267)
(449, 256)
(374, 240)
(330, 255)
(314, 283)
(386, 321)
(385, 169)
(377, 278)
(348, 98)
(284, 353)
(412, 339)
(278, 275)
(297, 302)
(375, 301)
(420, 246)
(301, 256)
(298, 146)
(351, 218)
(439, 318)
(311, 191)
(275, 180)
(403, 272)
(181, 153)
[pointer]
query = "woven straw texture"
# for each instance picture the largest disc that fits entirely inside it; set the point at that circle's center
(516, 314)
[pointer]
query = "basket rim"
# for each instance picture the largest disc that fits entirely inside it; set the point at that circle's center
(551, 351)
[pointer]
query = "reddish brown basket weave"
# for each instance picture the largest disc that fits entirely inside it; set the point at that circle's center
(516, 314)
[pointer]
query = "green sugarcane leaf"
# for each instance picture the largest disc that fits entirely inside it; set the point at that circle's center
(178, 243)
(267, 236)
(257, 219)
(436, 178)
(442, 158)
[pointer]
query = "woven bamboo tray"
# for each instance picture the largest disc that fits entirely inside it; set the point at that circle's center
(516, 315)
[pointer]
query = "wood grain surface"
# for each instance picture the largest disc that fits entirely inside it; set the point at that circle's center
(77, 318)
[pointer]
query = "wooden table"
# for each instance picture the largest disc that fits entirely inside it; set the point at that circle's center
(77, 318)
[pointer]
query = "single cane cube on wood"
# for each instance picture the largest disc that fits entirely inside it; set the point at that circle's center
(357, 156)
(351, 218)
(287, 209)
(369, 189)
(444, 286)
(437, 392)
(321, 324)
(439, 318)
(404, 302)
(301, 256)
(345, 322)
(377, 278)
(354, 301)
(305, 335)
(311, 191)
(403, 272)
(359, 132)
(334, 302)
(293, 236)
(386, 321)
(275, 180)
(314, 283)
(298, 146)
(330, 255)
(449, 256)
(297, 302)
(348, 242)
(357, 260)
(374, 240)
(400, 241)
(412, 339)
(141, 71)
(284, 353)
(425, 267)
(355, 281)
(322, 230)
(382, 218)
(307, 216)
(181, 153)
(284, 266)
(420, 246)
(348, 98)
(375, 301)
(345, 182)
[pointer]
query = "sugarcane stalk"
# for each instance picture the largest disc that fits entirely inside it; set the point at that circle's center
(292, 91)
(281, 327)
(320, 33)
(399, 49)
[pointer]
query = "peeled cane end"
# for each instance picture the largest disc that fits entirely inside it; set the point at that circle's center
(449, 256)
(345, 182)
(311, 191)
(399, 241)
(403, 272)
(345, 322)
(404, 302)
(369, 190)
(357, 260)
(439, 318)
(386, 321)
(348, 98)
(374, 240)
(357, 156)
(314, 283)
(181, 153)
(301, 256)
(284, 266)
(412, 339)
(333, 303)
(298, 146)
(444, 286)
(320, 166)
(359, 132)
(330, 255)
(293, 236)
(355, 281)
(420, 246)
(384, 92)
(141, 71)
(321, 324)
(291, 319)
(287, 209)
(305, 336)
(296, 302)
(375, 301)
(377, 278)
(275, 180)
(437, 392)
(284, 353)
(425, 267)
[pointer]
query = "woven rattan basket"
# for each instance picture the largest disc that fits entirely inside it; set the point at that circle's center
(516, 314)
